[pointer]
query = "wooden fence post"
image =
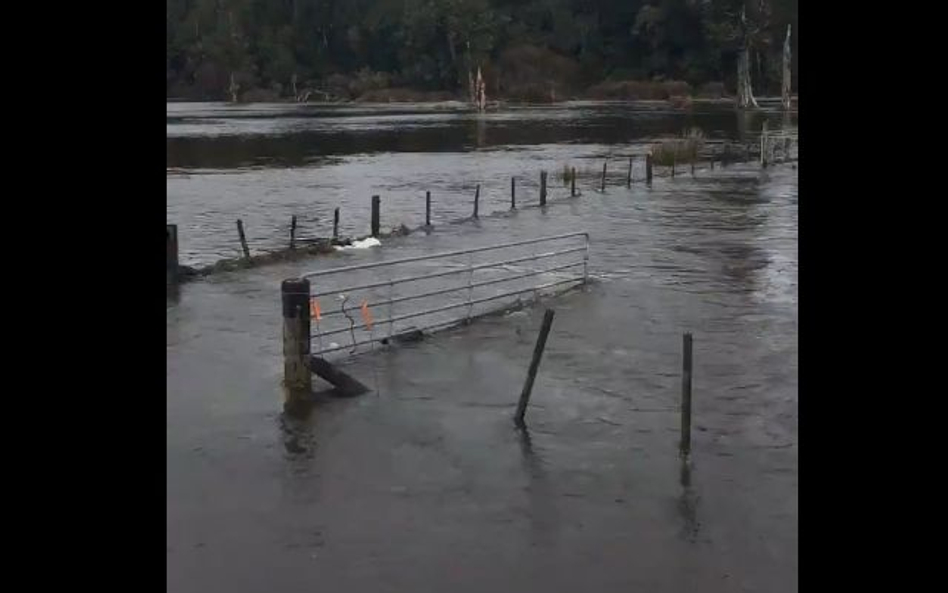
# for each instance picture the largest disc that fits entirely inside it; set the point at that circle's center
(297, 377)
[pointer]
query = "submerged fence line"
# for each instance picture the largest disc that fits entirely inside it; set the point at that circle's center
(639, 167)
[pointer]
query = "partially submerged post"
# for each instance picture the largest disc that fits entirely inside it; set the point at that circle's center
(685, 446)
(628, 178)
(543, 188)
(648, 169)
(335, 223)
(293, 232)
(534, 367)
(602, 186)
(171, 250)
(513, 193)
(427, 208)
(243, 239)
(477, 197)
(572, 183)
(296, 326)
(375, 216)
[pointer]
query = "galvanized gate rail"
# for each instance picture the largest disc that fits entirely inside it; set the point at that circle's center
(555, 266)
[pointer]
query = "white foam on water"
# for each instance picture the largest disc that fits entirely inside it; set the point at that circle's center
(363, 244)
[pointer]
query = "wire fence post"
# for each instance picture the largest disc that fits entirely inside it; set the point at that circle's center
(427, 208)
(375, 215)
(534, 367)
(243, 239)
(685, 446)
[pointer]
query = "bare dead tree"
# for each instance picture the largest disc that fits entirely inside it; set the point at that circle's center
(480, 91)
(786, 71)
(233, 89)
(745, 95)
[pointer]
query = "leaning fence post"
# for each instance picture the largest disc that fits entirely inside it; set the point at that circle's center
(335, 223)
(296, 348)
(685, 447)
(572, 183)
(628, 179)
(534, 367)
(513, 193)
(171, 248)
(477, 197)
(427, 208)
(293, 232)
(243, 239)
(648, 169)
(375, 216)
(543, 188)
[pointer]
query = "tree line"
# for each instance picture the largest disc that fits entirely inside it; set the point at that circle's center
(300, 49)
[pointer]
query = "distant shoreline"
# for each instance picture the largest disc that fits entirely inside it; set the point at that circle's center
(680, 103)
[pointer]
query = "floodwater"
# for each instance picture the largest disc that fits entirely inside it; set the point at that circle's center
(265, 164)
(423, 484)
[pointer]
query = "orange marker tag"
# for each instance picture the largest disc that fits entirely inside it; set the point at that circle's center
(366, 315)
(314, 309)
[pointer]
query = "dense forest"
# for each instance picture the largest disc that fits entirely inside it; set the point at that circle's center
(538, 50)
